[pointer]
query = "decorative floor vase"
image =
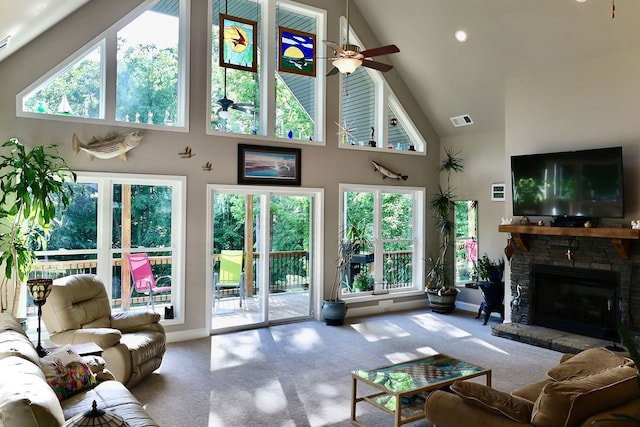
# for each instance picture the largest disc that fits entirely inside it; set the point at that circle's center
(334, 312)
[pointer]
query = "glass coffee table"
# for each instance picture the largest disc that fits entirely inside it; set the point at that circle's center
(401, 389)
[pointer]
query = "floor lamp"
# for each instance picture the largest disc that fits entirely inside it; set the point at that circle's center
(40, 290)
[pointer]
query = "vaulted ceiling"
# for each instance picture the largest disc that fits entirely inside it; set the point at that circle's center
(506, 39)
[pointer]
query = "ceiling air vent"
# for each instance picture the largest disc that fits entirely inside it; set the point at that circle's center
(464, 120)
(4, 42)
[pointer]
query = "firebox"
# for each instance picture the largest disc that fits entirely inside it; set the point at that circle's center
(581, 301)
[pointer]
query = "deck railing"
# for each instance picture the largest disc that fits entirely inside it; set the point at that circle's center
(290, 272)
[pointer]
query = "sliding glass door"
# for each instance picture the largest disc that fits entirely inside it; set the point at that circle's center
(261, 256)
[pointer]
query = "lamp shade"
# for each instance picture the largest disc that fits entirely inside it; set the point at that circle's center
(39, 289)
(347, 65)
(97, 418)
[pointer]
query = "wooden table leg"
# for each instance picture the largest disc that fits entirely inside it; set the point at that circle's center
(398, 411)
(354, 391)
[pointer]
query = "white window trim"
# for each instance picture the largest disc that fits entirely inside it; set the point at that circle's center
(267, 74)
(419, 196)
(108, 82)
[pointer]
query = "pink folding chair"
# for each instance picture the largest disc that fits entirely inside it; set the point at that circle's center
(143, 279)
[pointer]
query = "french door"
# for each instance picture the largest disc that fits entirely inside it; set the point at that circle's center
(276, 232)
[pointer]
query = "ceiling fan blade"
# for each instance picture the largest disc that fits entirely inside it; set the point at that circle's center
(245, 107)
(376, 65)
(333, 71)
(382, 50)
(333, 45)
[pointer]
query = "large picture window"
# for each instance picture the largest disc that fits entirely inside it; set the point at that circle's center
(386, 223)
(111, 216)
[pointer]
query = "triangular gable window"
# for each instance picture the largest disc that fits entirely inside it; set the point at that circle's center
(152, 69)
(74, 91)
(372, 116)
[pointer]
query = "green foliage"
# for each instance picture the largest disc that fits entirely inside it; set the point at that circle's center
(488, 269)
(75, 228)
(80, 83)
(147, 81)
(33, 187)
(362, 282)
(358, 235)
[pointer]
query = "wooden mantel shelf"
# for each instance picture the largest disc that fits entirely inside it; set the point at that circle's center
(620, 237)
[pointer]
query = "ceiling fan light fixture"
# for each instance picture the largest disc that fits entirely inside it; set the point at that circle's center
(347, 65)
(224, 114)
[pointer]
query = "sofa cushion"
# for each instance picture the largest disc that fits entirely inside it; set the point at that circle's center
(568, 403)
(25, 396)
(494, 400)
(587, 362)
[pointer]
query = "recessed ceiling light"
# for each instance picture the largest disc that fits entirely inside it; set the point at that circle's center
(461, 35)
(581, 1)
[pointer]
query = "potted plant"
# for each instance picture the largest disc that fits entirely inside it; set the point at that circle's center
(31, 189)
(363, 282)
(490, 270)
(441, 289)
(334, 309)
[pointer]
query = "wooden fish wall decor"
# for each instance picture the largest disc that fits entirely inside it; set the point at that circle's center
(387, 173)
(109, 147)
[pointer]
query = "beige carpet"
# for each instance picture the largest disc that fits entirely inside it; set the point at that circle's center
(299, 374)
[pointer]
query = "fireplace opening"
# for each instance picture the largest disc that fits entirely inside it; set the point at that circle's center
(575, 300)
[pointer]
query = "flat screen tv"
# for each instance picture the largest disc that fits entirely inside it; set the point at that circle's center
(585, 183)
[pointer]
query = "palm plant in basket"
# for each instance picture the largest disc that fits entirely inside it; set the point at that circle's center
(441, 288)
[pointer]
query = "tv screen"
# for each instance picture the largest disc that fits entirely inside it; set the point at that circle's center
(586, 183)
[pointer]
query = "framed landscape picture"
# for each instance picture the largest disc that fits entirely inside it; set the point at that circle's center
(264, 165)
(238, 43)
(297, 52)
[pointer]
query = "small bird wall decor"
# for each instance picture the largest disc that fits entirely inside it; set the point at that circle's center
(186, 154)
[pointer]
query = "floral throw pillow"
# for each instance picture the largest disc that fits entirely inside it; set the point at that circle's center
(66, 372)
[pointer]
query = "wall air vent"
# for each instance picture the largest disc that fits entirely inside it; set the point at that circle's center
(4, 42)
(459, 121)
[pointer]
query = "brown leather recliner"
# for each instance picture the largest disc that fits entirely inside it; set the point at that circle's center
(78, 311)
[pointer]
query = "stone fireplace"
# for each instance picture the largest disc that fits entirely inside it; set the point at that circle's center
(575, 280)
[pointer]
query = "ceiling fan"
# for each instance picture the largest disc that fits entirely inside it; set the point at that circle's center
(225, 103)
(349, 57)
